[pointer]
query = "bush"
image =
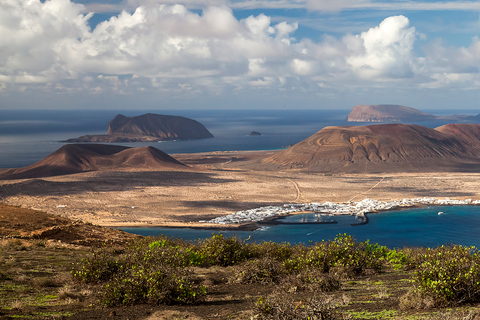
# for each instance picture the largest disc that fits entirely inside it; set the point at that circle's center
(152, 284)
(311, 280)
(282, 307)
(344, 253)
(265, 270)
(449, 275)
(154, 272)
(277, 251)
(101, 266)
(222, 251)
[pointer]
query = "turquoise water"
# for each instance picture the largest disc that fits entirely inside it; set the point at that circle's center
(422, 227)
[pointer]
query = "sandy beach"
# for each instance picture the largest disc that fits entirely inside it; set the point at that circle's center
(216, 184)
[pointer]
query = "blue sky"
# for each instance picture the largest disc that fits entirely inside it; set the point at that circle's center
(306, 54)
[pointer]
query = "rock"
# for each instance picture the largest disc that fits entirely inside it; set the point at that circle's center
(149, 128)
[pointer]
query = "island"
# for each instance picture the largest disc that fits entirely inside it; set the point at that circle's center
(399, 113)
(148, 128)
(254, 133)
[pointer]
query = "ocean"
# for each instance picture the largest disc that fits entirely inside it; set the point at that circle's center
(27, 136)
(419, 227)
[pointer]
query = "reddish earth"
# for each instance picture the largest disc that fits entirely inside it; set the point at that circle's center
(24, 223)
(384, 148)
(76, 158)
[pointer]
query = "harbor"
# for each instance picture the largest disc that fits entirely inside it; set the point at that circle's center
(272, 213)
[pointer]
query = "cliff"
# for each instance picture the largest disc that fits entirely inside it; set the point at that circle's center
(398, 113)
(149, 127)
(387, 113)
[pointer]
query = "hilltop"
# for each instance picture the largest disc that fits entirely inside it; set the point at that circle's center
(384, 148)
(76, 158)
(149, 127)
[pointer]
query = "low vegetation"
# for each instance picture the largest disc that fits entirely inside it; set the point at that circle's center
(339, 279)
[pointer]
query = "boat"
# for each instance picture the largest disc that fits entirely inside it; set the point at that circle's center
(440, 213)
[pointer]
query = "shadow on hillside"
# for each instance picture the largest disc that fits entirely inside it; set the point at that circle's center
(111, 182)
(430, 192)
(226, 205)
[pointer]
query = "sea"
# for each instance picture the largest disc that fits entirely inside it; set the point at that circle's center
(27, 136)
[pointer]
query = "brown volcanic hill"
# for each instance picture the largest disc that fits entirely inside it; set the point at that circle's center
(149, 127)
(383, 148)
(76, 158)
(468, 133)
(387, 113)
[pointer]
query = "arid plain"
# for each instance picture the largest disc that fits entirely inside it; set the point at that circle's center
(213, 185)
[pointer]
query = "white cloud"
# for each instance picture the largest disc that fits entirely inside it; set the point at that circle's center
(32, 33)
(171, 50)
(387, 50)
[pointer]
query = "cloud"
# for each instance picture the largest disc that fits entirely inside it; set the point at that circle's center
(172, 50)
(32, 33)
(387, 50)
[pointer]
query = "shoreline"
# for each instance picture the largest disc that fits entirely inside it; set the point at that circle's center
(273, 220)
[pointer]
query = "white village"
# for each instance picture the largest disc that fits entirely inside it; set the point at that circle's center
(330, 208)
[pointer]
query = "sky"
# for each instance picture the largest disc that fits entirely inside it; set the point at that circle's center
(234, 54)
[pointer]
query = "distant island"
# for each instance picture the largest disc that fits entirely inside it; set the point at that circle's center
(149, 128)
(398, 113)
(254, 133)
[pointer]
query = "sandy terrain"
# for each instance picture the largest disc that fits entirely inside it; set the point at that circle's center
(219, 183)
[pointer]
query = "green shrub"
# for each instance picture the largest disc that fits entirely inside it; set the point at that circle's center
(282, 307)
(277, 251)
(449, 275)
(311, 280)
(222, 251)
(147, 272)
(343, 252)
(101, 266)
(152, 284)
(265, 270)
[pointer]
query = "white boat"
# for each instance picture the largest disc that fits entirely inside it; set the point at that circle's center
(440, 213)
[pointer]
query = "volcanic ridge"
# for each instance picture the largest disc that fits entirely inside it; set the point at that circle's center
(384, 148)
(76, 158)
(147, 128)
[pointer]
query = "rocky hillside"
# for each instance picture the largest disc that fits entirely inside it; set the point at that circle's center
(76, 158)
(385, 148)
